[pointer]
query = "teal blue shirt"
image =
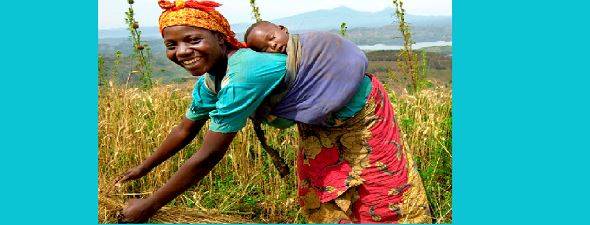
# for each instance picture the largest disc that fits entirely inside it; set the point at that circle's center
(357, 102)
(250, 77)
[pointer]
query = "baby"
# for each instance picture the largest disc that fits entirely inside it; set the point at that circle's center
(325, 72)
(265, 36)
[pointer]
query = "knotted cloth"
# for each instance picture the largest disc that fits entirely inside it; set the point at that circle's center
(196, 13)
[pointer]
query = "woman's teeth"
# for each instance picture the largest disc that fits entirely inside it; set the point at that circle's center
(188, 62)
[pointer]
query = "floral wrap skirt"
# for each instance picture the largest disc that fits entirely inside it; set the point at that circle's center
(358, 170)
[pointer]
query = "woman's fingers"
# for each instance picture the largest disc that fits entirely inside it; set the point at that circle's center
(135, 211)
(131, 174)
(122, 179)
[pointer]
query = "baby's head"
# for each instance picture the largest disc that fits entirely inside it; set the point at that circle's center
(265, 36)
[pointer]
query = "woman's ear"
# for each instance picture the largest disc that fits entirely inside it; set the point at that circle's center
(220, 38)
(284, 28)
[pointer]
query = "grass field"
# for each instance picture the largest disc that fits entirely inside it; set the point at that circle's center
(244, 187)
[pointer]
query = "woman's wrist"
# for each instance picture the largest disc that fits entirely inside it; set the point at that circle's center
(146, 166)
(153, 204)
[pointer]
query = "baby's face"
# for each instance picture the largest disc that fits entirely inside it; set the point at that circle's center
(268, 37)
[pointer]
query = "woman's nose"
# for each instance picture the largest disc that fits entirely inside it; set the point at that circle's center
(183, 50)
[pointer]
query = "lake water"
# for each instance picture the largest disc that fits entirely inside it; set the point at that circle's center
(418, 45)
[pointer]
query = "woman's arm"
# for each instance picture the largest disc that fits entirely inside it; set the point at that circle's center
(180, 136)
(214, 147)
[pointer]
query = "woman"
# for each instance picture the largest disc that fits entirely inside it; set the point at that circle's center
(353, 170)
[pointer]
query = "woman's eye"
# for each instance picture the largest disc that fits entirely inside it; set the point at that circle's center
(169, 45)
(195, 41)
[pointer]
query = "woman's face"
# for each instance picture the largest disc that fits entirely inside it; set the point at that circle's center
(197, 50)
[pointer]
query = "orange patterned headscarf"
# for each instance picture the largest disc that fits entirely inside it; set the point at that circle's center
(198, 14)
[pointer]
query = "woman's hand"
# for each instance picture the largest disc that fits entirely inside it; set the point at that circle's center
(137, 211)
(180, 136)
(132, 174)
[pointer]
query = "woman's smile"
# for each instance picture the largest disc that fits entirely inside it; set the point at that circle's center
(190, 63)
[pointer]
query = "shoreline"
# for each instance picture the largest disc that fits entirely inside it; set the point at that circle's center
(416, 46)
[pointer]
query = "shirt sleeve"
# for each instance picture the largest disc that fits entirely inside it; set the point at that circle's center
(203, 101)
(252, 77)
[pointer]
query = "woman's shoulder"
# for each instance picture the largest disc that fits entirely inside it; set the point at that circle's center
(246, 55)
(250, 64)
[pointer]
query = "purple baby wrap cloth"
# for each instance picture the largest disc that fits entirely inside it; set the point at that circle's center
(329, 72)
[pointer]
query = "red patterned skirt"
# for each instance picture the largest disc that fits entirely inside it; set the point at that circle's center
(358, 171)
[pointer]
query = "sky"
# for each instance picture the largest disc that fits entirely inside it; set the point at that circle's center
(111, 12)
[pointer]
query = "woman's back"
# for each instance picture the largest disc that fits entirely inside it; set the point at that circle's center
(330, 70)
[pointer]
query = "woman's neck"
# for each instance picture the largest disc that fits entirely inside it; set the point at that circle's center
(221, 68)
(231, 52)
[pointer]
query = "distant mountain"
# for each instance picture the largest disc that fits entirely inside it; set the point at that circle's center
(331, 18)
(324, 20)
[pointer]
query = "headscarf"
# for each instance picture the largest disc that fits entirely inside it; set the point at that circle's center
(196, 13)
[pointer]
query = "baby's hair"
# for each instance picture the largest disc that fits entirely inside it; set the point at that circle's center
(252, 27)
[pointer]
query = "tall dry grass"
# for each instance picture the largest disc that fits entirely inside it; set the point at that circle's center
(426, 122)
(244, 187)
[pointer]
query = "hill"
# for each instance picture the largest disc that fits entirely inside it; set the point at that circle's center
(364, 28)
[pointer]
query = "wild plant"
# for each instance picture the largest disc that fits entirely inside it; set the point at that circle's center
(407, 60)
(141, 50)
(343, 29)
(255, 11)
(101, 71)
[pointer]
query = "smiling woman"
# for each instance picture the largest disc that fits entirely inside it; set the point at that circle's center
(199, 39)
(195, 49)
(353, 170)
